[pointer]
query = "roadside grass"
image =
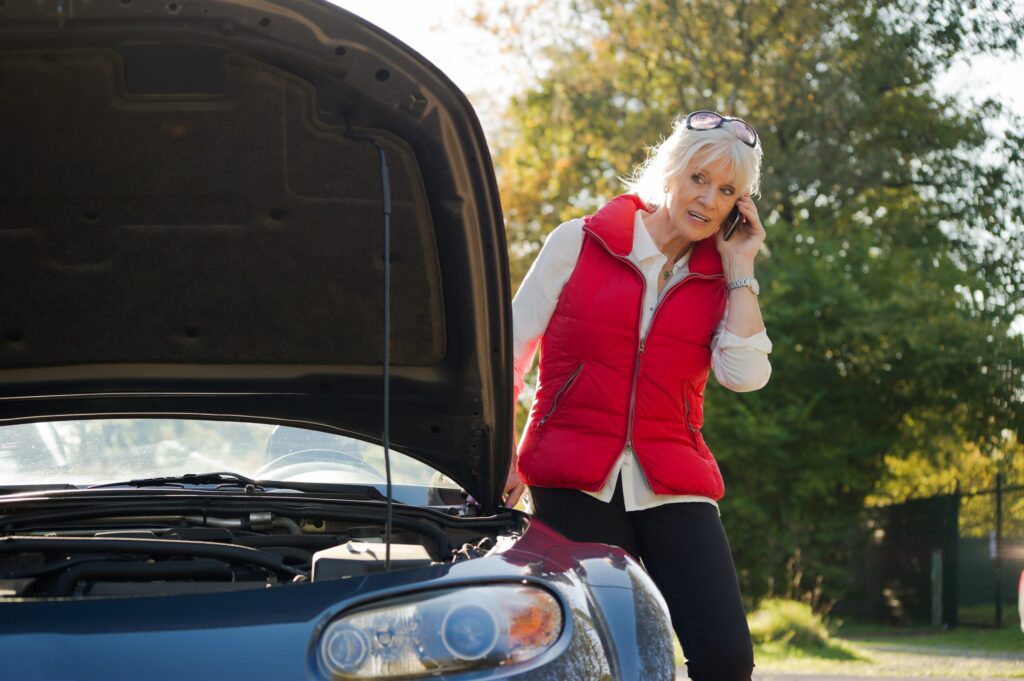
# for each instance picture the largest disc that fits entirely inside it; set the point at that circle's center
(785, 631)
(834, 651)
(777, 655)
(870, 650)
(967, 639)
(789, 638)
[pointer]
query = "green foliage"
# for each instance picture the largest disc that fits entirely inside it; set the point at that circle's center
(791, 622)
(783, 629)
(891, 273)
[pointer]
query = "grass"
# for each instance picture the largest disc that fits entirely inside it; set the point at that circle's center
(788, 630)
(789, 622)
(776, 651)
(978, 640)
(788, 637)
(911, 651)
(972, 639)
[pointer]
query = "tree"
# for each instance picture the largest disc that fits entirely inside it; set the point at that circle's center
(894, 216)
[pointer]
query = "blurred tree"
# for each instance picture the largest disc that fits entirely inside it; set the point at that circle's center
(950, 463)
(892, 270)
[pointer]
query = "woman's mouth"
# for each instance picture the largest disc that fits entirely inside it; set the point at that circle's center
(699, 217)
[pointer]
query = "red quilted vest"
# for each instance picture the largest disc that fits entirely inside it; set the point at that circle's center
(600, 389)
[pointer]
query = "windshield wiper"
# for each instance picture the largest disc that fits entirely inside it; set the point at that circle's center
(221, 479)
(237, 480)
(34, 487)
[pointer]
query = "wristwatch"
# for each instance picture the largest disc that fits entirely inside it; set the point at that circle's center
(749, 282)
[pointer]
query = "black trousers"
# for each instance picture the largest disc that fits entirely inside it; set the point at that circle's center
(684, 549)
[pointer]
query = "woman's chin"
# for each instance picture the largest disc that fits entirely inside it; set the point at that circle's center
(697, 232)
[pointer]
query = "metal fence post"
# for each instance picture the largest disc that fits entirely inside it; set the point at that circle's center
(951, 608)
(999, 551)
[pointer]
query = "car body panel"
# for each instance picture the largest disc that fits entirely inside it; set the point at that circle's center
(617, 627)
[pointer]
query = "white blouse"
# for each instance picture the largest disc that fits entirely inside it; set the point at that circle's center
(739, 364)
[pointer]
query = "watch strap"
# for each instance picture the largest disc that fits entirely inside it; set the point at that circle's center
(740, 283)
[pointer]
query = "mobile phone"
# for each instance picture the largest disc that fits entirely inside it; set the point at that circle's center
(731, 222)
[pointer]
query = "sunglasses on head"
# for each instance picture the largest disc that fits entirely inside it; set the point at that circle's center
(709, 120)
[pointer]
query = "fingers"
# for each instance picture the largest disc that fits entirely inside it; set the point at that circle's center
(747, 206)
(514, 486)
(751, 207)
(513, 494)
(751, 223)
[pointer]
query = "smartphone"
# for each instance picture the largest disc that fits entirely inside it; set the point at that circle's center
(731, 222)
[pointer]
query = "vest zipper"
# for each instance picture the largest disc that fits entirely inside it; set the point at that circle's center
(686, 400)
(640, 351)
(561, 391)
(642, 341)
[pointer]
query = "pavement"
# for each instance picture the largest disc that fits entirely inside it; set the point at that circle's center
(785, 676)
(791, 676)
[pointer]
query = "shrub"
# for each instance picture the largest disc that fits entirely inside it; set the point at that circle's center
(788, 622)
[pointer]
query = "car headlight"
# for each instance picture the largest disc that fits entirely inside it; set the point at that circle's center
(441, 632)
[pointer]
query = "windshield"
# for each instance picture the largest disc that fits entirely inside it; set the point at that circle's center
(95, 451)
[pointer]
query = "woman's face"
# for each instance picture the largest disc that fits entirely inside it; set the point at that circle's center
(700, 197)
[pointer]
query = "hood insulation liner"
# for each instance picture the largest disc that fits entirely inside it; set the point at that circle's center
(259, 242)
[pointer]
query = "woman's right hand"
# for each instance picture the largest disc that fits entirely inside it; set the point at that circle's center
(739, 252)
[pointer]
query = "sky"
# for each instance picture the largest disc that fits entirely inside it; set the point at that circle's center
(436, 29)
(440, 30)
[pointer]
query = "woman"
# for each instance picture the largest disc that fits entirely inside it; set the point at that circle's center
(632, 307)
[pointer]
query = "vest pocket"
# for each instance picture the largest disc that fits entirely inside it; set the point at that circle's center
(561, 394)
(690, 426)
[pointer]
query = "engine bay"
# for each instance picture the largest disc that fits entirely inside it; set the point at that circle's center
(151, 548)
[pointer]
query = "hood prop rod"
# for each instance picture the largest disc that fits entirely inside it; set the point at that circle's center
(385, 190)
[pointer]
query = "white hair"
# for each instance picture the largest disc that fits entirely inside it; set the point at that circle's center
(675, 153)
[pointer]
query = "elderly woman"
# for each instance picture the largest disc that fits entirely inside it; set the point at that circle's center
(632, 307)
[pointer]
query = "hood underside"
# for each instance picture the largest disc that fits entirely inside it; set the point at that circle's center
(191, 223)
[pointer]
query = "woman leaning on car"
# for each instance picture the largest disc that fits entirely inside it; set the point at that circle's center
(632, 307)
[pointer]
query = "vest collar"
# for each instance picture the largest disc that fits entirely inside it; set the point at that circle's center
(613, 224)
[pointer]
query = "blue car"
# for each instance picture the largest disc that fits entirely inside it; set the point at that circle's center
(255, 366)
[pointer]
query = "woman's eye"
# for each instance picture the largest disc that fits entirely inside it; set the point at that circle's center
(728, 191)
(699, 179)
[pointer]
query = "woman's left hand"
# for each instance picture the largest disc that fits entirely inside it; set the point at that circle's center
(514, 487)
(742, 247)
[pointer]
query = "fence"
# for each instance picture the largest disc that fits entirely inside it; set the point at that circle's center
(947, 560)
(991, 552)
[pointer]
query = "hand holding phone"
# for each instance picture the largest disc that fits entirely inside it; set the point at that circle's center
(731, 222)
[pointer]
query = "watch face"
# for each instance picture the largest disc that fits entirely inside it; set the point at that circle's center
(755, 287)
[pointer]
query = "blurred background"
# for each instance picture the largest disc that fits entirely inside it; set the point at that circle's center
(880, 474)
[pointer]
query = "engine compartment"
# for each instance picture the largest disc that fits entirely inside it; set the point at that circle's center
(156, 553)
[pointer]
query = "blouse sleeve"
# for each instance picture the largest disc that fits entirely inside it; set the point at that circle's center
(537, 296)
(740, 364)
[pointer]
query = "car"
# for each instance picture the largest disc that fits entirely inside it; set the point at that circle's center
(256, 403)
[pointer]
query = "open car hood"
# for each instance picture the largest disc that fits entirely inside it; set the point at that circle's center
(191, 223)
